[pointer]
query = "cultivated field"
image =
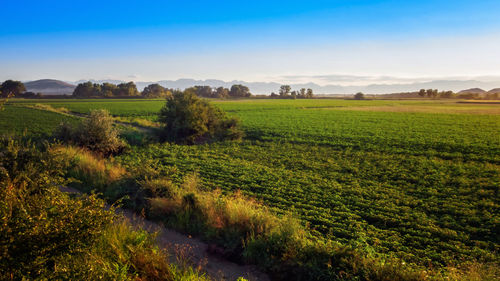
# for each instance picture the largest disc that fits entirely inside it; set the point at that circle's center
(417, 180)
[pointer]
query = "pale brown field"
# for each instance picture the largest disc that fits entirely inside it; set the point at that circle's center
(445, 109)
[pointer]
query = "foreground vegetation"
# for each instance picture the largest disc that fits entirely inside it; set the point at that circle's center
(46, 234)
(375, 195)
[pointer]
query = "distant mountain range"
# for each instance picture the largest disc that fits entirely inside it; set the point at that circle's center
(57, 87)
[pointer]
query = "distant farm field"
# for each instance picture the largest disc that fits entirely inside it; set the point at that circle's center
(32, 122)
(417, 180)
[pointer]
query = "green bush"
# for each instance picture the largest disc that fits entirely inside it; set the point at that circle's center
(191, 120)
(95, 133)
(40, 226)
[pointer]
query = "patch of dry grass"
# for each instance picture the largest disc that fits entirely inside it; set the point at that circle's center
(446, 109)
(89, 167)
(48, 107)
(137, 121)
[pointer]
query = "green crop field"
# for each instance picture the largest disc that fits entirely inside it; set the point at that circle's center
(417, 180)
(32, 122)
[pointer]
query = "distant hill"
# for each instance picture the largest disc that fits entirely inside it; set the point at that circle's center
(49, 87)
(472, 91)
(493, 91)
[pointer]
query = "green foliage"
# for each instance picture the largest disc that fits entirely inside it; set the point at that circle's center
(37, 124)
(49, 235)
(359, 96)
(123, 252)
(189, 119)
(11, 88)
(403, 179)
(250, 232)
(221, 93)
(126, 90)
(89, 89)
(156, 91)
(95, 133)
(239, 91)
(417, 186)
(40, 226)
(286, 92)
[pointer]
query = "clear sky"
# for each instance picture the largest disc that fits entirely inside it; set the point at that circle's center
(284, 41)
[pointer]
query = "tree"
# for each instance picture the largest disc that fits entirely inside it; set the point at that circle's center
(11, 88)
(359, 96)
(432, 93)
(87, 89)
(222, 93)
(204, 91)
(126, 90)
(294, 94)
(422, 93)
(155, 91)
(273, 95)
(302, 93)
(446, 94)
(285, 90)
(189, 119)
(239, 91)
(108, 89)
(309, 93)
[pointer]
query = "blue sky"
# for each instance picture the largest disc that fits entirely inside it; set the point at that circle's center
(248, 40)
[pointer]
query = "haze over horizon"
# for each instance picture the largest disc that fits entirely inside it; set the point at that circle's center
(348, 43)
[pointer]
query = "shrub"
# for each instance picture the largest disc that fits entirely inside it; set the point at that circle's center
(189, 119)
(359, 96)
(95, 133)
(39, 225)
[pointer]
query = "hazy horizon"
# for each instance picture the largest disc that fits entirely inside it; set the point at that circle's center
(323, 42)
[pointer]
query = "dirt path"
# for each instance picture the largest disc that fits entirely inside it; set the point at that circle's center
(197, 250)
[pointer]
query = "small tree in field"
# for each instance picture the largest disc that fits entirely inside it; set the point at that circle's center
(359, 96)
(189, 119)
(9, 89)
(95, 133)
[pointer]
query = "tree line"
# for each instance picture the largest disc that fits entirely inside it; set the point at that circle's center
(434, 93)
(129, 89)
(107, 90)
(285, 92)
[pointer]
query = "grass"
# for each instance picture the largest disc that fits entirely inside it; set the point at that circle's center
(48, 107)
(128, 107)
(141, 122)
(34, 123)
(94, 172)
(245, 230)
(417, 186)
(126, 253)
